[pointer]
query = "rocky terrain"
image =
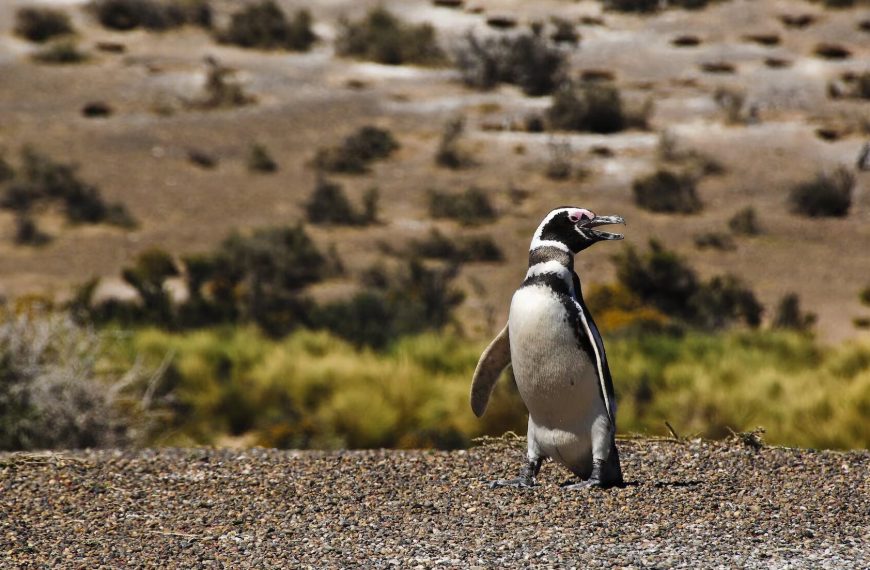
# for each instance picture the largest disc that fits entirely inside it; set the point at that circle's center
(694, 504)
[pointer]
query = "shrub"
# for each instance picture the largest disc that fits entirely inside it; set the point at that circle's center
(686, 40)
(468, 208)
(154, 15)
(202, 158)
(370, 200)
(96, 109)
(356, 152)
(259, 160)
(694, 163)
(715, 240)
(28, 233)
(642, 6)
(51, 395)
(565, 32)
(469, 249)
(270, 267)
(328, 204)
(590, 107)
(60, 52)
(723, 300)
(7, 172)
(745, 222)
(264, 26)
(559, 167)
(526, 60)
(832, 51)
(664, 280)
(864, 296)
(41, 24)
(40, 179)
(412, 299)
(302, 391)
(148, 274)
(667, 192)
(221, 89)
(829, 194)
(789, 315)
(450, 153)
(383, 38)
(712, 382)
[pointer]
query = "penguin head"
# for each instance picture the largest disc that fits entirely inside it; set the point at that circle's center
(574, 229)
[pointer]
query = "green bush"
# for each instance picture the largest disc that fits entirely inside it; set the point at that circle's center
(667, 192)
(591, 107)
(41, 24)
(265, 26)
(154, 15)
(358, 150)
(803, 394)
(526, 60)
(383, 38)
(829, 194)
(469, 208)
(307, 390)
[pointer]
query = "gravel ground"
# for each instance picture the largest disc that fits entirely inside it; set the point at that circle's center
(692, 505)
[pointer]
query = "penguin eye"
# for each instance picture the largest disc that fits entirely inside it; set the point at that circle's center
(574, 217)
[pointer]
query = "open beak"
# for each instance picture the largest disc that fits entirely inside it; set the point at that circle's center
(588, 225)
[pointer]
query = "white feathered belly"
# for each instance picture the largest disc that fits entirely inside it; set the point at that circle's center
(556, 378)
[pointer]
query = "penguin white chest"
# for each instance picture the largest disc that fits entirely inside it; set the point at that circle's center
(556, 377)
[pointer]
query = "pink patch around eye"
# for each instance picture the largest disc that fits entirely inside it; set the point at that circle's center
(577, 215)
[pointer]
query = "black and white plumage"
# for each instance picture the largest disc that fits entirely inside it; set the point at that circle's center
(558, 357)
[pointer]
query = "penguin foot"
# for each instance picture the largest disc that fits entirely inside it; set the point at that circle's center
(519, 482)
(587, 484)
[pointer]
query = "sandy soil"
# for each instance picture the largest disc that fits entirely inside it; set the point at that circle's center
(138, 156)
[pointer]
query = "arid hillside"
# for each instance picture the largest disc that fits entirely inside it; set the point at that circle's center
(764, 95)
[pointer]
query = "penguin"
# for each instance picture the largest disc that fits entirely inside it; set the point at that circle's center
(558, 358)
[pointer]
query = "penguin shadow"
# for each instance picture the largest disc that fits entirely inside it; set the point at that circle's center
(677, 484)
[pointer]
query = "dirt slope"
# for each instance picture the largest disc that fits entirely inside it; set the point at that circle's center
(308, 101)
(694, 505)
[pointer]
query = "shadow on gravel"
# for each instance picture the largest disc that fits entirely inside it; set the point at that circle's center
(661, 484)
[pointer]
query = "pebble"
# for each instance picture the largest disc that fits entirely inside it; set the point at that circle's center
(686, 505)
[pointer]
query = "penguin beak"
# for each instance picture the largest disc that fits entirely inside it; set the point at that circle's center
(587, 224)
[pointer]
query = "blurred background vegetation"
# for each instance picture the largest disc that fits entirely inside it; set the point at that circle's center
(347, 329)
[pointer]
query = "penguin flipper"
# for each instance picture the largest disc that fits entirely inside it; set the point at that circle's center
(493, 360)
